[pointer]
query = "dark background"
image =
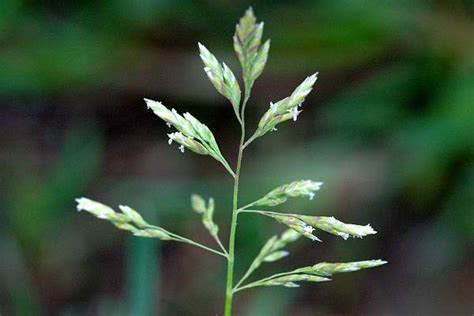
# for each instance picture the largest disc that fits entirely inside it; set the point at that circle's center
(388, 129)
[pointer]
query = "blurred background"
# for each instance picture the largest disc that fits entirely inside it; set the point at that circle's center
(388, 129)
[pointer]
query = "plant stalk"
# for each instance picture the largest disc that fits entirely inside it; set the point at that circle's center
(230, 263)
(229, 293)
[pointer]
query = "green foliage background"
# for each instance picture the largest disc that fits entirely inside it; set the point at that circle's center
(388, 128)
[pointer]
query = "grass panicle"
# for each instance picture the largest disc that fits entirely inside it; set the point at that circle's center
(195, 136)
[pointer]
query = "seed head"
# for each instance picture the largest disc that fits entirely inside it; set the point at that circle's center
(328, 269)
(287, 108)
(299, 188)
(336, 227)
(296, 224)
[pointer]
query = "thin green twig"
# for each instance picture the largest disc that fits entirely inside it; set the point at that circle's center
(228, 168)
(179, 238)
(217, 239)
(246, 275)
(259, 282)
(194, 243)
(266, 213)
(250, 140)
(246, 206)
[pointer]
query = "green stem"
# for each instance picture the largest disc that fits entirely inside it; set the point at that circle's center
(229, 292)
(230, 263)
